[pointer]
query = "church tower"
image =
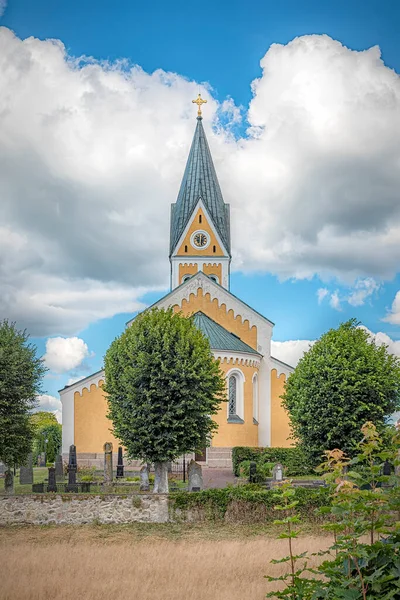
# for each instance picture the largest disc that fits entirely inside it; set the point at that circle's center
(200, 222)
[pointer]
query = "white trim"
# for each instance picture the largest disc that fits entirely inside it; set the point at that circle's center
(240, 379)
(238, 358)
(208, 238)
(200, 262)
(281, 367)
(67, 396)
(254, 382)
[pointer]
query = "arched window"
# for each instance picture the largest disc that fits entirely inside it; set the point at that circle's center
(255, 398)
(185, 278)
(214, 278)
(235, 392)
(232, 388)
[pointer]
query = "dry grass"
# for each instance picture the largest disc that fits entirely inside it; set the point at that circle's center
(140, 563)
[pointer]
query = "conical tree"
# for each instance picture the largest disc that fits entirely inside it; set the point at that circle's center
(163, 387)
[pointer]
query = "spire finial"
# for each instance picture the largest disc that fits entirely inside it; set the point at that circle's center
(199, 101)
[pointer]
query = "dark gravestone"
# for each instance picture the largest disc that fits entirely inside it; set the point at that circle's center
(26, 472)
(387, 469)
(38, 488)
(59, 468)
(253, 472)
(120, 464)
(9, 482)
(72, 469)
(52, 484)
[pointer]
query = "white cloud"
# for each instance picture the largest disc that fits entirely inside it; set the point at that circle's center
(393, 315)
(335, 301)
(321, 294)
(291, 351)
(64, 354)
(363, 289)
(50, 404)
(92, 154)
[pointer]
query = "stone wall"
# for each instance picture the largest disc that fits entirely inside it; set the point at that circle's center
(78, 510)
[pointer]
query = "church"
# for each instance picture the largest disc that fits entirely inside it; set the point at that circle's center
(239, 336)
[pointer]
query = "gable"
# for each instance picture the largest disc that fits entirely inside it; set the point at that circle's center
(199, 222)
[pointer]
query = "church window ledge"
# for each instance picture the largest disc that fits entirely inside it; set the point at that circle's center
(255, 422)
(235, 419)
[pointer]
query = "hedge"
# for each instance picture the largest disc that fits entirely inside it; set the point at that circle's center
(293, 459)
(244, 501)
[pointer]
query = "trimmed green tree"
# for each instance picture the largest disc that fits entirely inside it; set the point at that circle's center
(163, 387)
(21, 373)
(343, 381)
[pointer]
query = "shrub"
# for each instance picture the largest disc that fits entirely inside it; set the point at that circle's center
(217, 502)
(293, 459)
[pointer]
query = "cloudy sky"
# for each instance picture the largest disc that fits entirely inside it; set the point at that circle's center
(96, 120)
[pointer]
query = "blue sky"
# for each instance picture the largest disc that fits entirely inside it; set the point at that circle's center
(219, 44)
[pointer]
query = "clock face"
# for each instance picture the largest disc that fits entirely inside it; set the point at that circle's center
(200, 239)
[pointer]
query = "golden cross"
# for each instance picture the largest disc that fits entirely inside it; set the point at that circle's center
(199, 101)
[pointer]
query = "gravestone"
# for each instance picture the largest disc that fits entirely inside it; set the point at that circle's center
(52, 483)
(277, 472)
(72, 469)
(2, 469)
(108, 463)
(160, 478)
(26, 472)
(144, 479)
(387, 468)
(195, 477)
(120, 464)
(9, 482)
(253, 472)
(59, 468)
(41, 460)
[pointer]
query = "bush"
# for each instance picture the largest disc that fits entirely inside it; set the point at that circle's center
(263, 471)
(293, 459)
(217, 503)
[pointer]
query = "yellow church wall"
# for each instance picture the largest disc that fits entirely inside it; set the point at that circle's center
(280, 429)
(213, 269)
(92, 428)
(200, 223)
(219, 314)
(237, 434)
(186, 269)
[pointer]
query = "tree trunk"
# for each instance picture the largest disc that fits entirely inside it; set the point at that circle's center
(161, 478)
(9, 482)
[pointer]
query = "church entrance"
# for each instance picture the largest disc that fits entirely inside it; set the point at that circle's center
(201, 455)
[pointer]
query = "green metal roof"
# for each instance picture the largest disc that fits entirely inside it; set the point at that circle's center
(219, 337)
(200, 182)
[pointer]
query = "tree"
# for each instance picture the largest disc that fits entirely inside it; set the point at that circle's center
(46, 428)
(21, 373)
(344, 380)
(163, 387)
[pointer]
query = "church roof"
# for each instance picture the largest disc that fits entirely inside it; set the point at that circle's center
(219, 337)
(200, 182)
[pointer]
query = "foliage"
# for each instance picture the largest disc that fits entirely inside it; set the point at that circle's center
(263, 470)
(46, 428)
(293, 459)
(21, 373)
(163, 387)
(216, 502)
(364, 560)
(344, 380)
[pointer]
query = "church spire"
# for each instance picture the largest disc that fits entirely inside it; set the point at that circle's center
(200, 182)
